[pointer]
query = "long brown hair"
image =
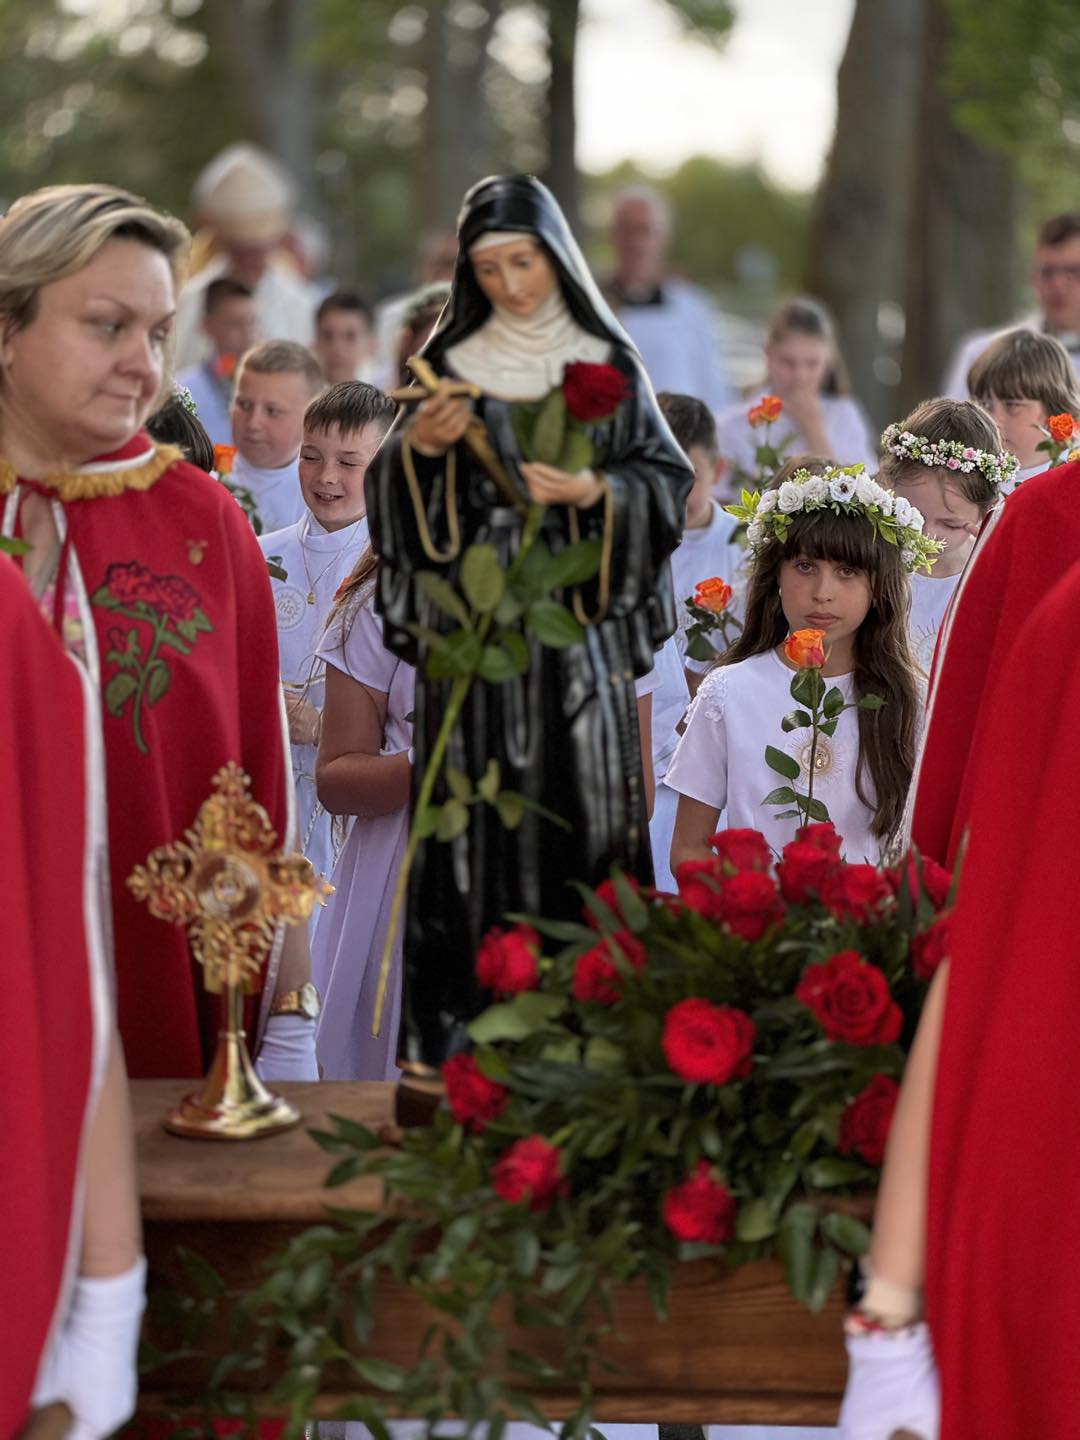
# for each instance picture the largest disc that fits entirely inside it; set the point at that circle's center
(348, 597)
(883, 661)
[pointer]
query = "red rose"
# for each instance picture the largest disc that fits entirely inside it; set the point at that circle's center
(822, 836)
(700, 1208)
(530, 1170)
(699, 886)
(509, 962)
(851, 1000)
(128, 582)
(803, 871)
(474, 1099)
(597, 976)
(750, 904)
(178, 600)
(708, 1044)
(856, 892)
(930, 948)
(593, 392)
(936, 880)
(606, 892)
(742, 849)
(864, 1125)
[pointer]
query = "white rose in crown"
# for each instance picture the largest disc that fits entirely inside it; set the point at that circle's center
(767, 503)
(789, 497)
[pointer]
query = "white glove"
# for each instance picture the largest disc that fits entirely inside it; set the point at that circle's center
(92, 1363)
(892, 1385)
(287, 1051)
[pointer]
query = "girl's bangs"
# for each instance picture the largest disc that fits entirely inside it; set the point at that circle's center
(844, 539)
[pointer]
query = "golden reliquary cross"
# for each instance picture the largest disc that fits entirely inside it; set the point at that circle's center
(230, 885)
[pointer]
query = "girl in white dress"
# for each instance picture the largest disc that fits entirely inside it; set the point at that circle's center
(364, 770)
(831, 553)
(804, 367)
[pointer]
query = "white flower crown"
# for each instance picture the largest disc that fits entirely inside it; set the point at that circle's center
(846, 490)
(951, 454)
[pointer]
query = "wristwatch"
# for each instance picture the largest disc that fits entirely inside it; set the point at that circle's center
(304, 1001)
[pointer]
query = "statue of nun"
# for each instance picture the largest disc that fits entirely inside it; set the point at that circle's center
(523, 306)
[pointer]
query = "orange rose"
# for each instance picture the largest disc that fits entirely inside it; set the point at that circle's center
(1061, 427)
(767, 410)
(224, 455)
(714, 594)
(805, 648)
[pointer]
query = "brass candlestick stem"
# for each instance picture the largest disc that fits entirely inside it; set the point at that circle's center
(230, 886)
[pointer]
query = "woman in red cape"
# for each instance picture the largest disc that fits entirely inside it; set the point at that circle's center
(1026, 546)
(152, 577)
(1002, 1223)
(71, 1280)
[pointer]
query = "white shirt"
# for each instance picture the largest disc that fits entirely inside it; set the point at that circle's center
(279, 501)
(702, 554)
(211, 397)
(1025, 474)
(679, 341)
(315, 561)
(285, 306)
(847, 430)
(930, 598)
(666, 683)
(721, 757)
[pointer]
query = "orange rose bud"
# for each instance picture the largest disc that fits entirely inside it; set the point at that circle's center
(805, 648)
(768, 409)
(1061, 427)
(714, 594)
(224, 455)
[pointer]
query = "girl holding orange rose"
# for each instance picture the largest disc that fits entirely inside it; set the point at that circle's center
(829, 557)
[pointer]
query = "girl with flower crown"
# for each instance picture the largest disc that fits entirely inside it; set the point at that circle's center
(830, 553)
(947, 460)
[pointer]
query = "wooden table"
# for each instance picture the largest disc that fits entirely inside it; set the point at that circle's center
(736, 1348)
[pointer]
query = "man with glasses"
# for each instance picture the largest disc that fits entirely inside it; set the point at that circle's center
(1055, 275)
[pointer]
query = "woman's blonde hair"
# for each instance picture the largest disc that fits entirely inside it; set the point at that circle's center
(52, 233)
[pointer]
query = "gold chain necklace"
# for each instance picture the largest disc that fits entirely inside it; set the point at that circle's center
(332, 561)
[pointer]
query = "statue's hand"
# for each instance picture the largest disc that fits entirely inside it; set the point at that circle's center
(439, 423)
(548, 485)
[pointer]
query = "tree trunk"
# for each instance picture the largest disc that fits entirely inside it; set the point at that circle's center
(961, 265)
(855, 249)
(561, 174)
(458, 135)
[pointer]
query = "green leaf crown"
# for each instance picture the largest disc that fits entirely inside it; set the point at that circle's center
(845, 490)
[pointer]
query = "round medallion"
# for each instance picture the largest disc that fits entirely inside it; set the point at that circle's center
(291, 605)
(823, 759)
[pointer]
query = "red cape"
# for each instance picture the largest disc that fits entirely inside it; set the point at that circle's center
(1004, 1203)
(1025, 550)
(50, 999)
(186, 652)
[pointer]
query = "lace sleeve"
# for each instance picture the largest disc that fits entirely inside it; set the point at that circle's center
(711, 696)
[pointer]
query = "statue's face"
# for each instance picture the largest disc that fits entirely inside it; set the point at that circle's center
(516, 276)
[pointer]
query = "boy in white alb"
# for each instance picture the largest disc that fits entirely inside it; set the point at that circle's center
(707, 548)
(342, 429)
(1020, 381)
(274, 383)
(947, 460)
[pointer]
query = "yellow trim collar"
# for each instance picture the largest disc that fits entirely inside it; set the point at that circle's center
(73, 485)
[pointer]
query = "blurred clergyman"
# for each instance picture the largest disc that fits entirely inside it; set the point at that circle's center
(1055, 276)
(242, 202)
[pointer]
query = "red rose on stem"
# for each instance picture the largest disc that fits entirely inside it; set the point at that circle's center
(864, 1125)
(129, 582)
(509, 961)
(930, 948)
(474, 1099)
(530, 1170)
(593, 392)
(699, 884)
(803, 871)
(700, 1209)
(856, 892)
(822, 836)
(851, 1000)
(936, 880)
(750, 904)
(742, 849)
(596, 974)
(606, 892)
(708, 1044)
